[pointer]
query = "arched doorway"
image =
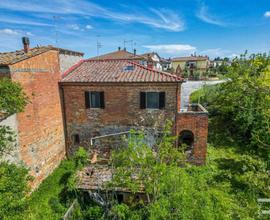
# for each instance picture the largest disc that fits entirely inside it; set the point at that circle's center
(186, 140)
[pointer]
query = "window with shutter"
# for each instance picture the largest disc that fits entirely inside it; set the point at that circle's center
(152, 100)
(142, 100)
(162, 100)
(94, 99)
(87, 99)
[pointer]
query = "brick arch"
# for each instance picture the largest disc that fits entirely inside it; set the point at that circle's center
(197, 123)
(186, 137)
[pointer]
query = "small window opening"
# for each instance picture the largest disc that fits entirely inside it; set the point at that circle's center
(120, 198)
(128, 68)
(186, 138)
(76, 139)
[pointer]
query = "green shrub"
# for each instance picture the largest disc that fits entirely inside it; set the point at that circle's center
(94, 213)
(80, 157)
(197, 75)
(13, 191)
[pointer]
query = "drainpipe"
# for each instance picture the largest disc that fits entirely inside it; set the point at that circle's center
(63, 106)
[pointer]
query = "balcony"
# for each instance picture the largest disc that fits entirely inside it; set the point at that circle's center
(194, 109)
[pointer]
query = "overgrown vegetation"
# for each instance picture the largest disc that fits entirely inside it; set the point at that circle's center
(13, 178)
(237, 170)
(53, 197)
(236, 173)
(12, 100)
(56, 193)
(241, 106)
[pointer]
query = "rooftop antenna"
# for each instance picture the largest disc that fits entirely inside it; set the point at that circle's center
(55, 19)
(130, 42)
(99, 45)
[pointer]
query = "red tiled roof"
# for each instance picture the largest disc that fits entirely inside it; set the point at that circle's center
(116, 55)
(115, 71)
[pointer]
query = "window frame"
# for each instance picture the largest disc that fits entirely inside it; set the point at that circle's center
(90, 99)
(89, 104)
(146, 98)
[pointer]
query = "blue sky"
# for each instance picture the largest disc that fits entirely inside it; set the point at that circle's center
(171, 28)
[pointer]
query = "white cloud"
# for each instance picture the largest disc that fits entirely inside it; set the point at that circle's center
(171, 48)
(20, 20)
(88, 26)
(267, 14)
(158, 18)
(74, 27)
(218, 52)
(205, 16)
(30, 34)
(9, 31)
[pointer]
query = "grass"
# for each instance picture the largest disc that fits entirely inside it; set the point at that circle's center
(50, 200)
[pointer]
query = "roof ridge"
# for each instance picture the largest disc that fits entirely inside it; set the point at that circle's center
(72, 68)
(157, 71)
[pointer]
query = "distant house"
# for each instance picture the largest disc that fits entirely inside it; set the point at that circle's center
(150, 60)
(166, 64)
(192, 65)
(219, 62)
(39, 129)
(153, 59)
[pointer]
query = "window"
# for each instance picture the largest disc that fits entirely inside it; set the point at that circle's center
(94, 99)
(152, 100)
(75, 139)
(128, 68)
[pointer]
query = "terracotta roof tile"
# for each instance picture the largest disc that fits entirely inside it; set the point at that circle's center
(116, 55)
(8, 58)
(115, 71)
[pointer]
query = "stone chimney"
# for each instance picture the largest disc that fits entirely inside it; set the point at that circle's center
(119, 48)
(26, 42)
(134, 52)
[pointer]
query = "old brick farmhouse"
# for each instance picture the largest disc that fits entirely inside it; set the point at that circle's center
(106, 97)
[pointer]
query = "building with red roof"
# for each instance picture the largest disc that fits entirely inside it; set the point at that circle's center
(104, 98)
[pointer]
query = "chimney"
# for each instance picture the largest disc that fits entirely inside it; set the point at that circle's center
(25, 41)
(119, 48)
(134, 52)
(125, 49)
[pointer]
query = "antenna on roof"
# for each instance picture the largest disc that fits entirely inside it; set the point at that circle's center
(55, 19)
(99, 45)
(130, 42)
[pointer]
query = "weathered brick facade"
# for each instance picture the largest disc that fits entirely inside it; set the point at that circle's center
(40, 126)
(122, 112)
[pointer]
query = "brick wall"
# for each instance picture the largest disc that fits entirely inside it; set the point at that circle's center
(122, 110)
(40, 126)
(67, 60)
(197, 123)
